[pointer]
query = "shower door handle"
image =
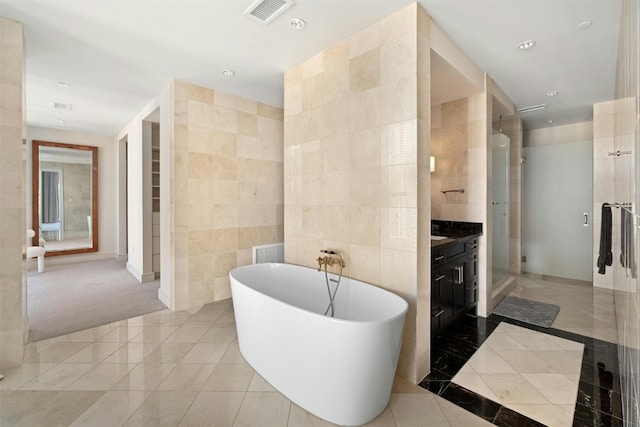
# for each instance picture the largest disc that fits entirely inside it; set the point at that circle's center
(586, 219)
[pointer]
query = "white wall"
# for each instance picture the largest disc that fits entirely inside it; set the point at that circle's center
(138, 196)
(106, 187)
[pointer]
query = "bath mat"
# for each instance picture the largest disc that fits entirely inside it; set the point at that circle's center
(524, 310)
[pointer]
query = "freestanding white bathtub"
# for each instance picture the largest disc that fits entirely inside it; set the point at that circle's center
(340, 369)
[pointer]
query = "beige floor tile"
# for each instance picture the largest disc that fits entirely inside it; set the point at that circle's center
(416, 410)
(261, 409)
(155, 334)
(162, 408)
(400, 385)
(260, 384)
(102, 376)
(524, 361)
(184, 334)
(564, 361)
(513, 389)
(145, 376)
(171, 352)
(18, 375)
(488, 361)
(57, 352)
(219, 335)
(227, 320)
(112, 409)
(171, 318)
(43, 408)
(503, 341)
(132, 352)
(299, 417)
(187, 376)
(94, 352)
(557, 388)
(229, 377)
(121, 334)
(58, 377)
(218, 409)
(233, 355)
(458, 416)
(205, 353)
(385, 419)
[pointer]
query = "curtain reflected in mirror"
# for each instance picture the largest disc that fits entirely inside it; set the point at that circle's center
(65, 197)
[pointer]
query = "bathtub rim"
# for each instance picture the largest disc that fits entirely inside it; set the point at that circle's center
(384, 320)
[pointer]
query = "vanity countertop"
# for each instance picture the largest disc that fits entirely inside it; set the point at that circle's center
(453, 230)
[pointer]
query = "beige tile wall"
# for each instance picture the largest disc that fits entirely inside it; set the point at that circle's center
(227, 187)
(12, 195)
(458, 142)
(355, 120)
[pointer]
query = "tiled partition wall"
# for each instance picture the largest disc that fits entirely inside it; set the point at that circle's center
(227, 187)
(458, 142)
(627, 174)
(512, 127)
(12, 196)
(356, 165)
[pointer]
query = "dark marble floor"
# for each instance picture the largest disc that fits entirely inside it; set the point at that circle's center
(598, 402)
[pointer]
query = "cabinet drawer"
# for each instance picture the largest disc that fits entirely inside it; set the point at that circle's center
(437, 257)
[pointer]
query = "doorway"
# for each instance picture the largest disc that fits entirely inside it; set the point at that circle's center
(557, 210)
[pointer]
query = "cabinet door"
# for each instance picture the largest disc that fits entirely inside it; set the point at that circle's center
(457, 284)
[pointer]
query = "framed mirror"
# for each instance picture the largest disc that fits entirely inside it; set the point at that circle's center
(65, 197)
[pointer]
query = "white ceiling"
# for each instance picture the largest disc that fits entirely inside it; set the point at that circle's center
(118, 55)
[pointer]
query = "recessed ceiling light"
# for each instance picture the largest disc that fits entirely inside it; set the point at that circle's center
(64, 84)
(297, 23)
(584, 25)
(228, 73)
(549, 121)
(528, 44)
(552, 93)
(60, 120)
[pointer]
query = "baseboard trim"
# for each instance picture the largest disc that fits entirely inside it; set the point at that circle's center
(69, 259)
(122, 257)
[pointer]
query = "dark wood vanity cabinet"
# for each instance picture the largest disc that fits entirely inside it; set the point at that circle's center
(454, 282)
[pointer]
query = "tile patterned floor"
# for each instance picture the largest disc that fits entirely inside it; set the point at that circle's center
(184, 368)
(598, 401)
(174, 369)
(532, 373)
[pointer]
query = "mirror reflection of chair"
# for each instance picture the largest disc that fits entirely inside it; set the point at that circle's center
(35, 251)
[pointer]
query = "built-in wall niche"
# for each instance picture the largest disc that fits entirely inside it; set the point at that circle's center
(155, 197)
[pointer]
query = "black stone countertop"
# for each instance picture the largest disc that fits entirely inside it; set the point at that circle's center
(453, 230)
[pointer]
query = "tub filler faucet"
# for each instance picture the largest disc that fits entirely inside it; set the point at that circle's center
(330, 259)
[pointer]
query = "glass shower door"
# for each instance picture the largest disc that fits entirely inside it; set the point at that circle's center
(500, 208)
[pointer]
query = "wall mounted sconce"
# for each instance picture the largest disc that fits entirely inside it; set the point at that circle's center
(432, 163)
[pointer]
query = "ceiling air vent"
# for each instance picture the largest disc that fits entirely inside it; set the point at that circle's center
(61, 106)
(532, 108)
(266, 11)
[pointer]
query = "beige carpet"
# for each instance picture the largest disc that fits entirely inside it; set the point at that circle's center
(71, 297)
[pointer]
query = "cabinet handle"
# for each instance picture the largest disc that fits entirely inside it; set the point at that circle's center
(459, 279)
(438, 258)
(440, 278)
(438, 314)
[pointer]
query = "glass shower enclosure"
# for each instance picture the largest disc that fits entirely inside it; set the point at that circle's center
(500, 149)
